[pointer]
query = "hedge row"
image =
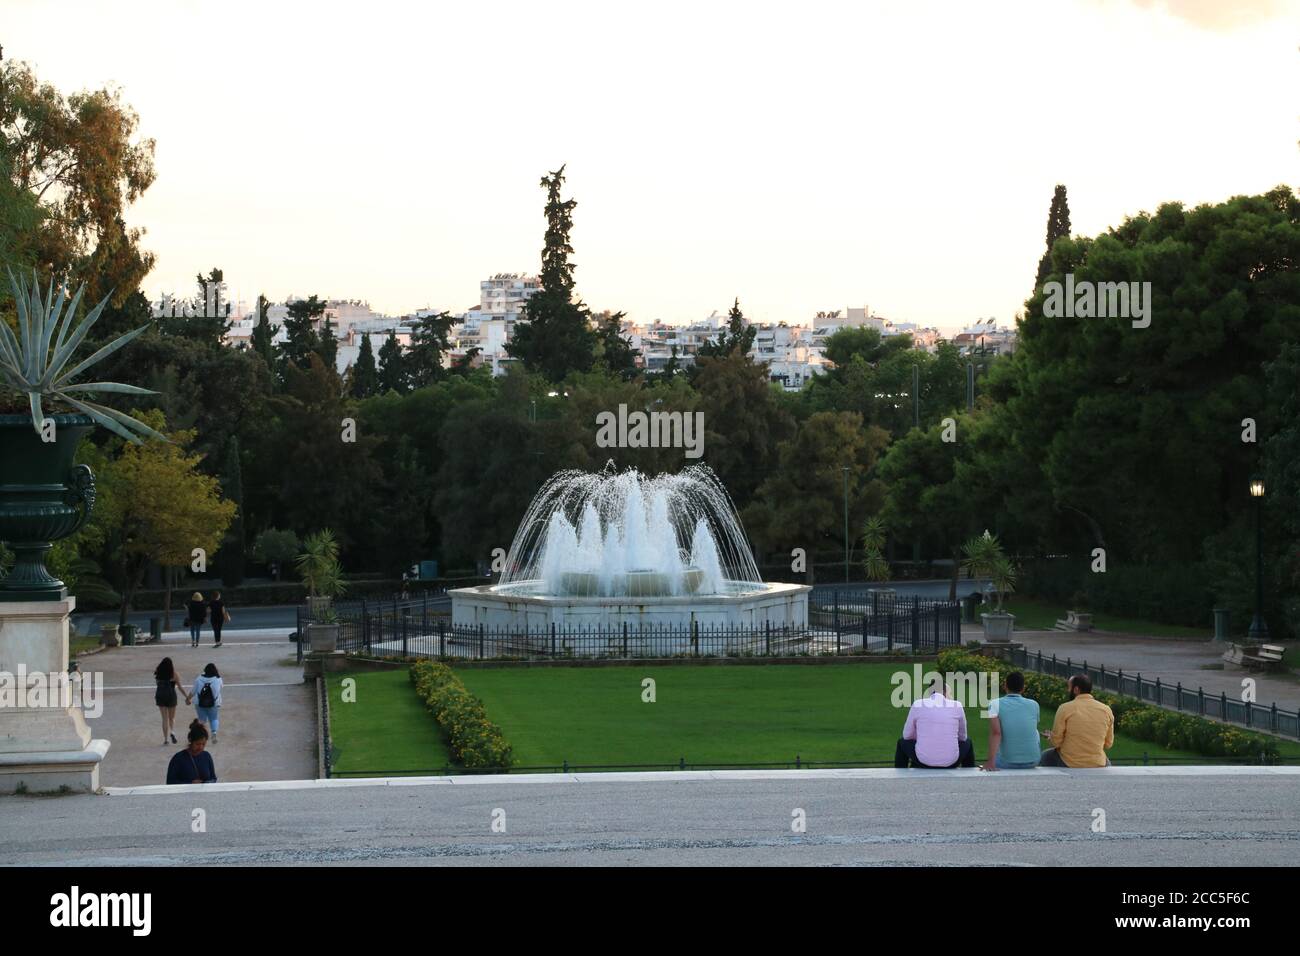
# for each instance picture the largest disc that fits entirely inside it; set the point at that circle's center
(1137, 719)
(474, 740)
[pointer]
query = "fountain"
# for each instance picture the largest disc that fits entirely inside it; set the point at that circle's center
(611, 550)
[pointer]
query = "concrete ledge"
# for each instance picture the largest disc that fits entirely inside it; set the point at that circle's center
(696, 776)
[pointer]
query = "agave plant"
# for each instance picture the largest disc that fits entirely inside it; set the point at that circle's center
(35, 362)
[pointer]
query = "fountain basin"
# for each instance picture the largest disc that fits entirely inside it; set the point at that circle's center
(519, 607)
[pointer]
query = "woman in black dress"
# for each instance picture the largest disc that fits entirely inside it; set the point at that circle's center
(165, 697)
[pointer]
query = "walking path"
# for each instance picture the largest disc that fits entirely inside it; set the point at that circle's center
(268, 715)
(1194, 663)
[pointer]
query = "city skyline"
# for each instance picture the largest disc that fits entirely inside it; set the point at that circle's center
(727, 154)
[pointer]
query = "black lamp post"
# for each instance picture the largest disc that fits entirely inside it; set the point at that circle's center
(1258, 629)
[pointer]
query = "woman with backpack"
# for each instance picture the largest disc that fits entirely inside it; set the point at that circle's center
(193, 764)
(194, 613)
(164, 696)
(207, 698)
(219, 615)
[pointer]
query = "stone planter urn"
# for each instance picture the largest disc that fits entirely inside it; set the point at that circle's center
(997, 626)
(323, 638)
(43, 497)
(108, 635)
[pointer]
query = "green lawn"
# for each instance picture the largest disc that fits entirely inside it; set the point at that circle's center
(1034, 615)
(712, 715)
(386, 730)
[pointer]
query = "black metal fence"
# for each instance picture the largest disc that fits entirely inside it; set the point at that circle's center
(1174, 696)
(852, 621)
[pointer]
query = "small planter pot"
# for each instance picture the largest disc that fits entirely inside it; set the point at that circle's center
(324, 638)
(998, 626)
(108, 636)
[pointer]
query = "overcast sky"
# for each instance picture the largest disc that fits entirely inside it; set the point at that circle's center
(801, 156)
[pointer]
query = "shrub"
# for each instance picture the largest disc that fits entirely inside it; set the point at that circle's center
(474, 741)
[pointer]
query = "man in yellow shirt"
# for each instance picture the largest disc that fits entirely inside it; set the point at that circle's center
(1083, 731)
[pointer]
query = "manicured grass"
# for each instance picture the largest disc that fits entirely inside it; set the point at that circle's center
(1034, 615)
(386, 730)
(713, 715)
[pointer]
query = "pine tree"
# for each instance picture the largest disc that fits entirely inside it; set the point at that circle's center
(329, 346)
(616, 352)
(554, 336)
(429, 343)
(300, 328)
(392, 366)
(1058, 227)
(263, 338)
(737, 336)
(365, 374)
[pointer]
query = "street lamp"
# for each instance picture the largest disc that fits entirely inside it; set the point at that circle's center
(1258, 629)
(846, 524)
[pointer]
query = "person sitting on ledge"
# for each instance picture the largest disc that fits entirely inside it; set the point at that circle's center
(1083, 731)
(934, 735)
(1013, 728)
(193, 764)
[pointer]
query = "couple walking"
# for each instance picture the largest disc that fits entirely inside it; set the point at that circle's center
(206, 690)
(197, 611)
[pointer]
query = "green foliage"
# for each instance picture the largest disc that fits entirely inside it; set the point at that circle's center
(274, 546)
(737, 337)
(263, 337)
(34, 363)
(473, 740)
(983, 557)
(874, 564)
(302, 337)
(319, 566)
(1058, 227)
(392, 375)
(429, 343)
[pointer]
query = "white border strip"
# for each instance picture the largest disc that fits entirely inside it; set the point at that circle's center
(692, 776)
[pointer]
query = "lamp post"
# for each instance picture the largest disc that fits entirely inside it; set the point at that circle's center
(846, 524)
(1258, 629)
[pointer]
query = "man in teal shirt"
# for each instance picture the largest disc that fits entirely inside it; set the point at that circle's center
(1013, 728)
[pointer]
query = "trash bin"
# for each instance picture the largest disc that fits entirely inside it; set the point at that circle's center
(155, 629)
(1220, 623)
(970, 606)
(128, 634)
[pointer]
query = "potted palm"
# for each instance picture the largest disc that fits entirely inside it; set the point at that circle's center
(323, 575)
(984, 558)
(45, 411)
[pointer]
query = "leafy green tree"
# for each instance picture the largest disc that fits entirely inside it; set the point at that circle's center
(263, 337)
(613, 351)
(392, 366)
(554, 336)
(79, 158)
(303, 339)
(429, 344)
(365, 374)
(738, 336)
(276, 548)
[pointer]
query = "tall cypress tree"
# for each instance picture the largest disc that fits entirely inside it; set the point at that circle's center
(1058, 226)
(365, 374)
(554, 336)
(392, 366)
(264, 334)
(230, 559)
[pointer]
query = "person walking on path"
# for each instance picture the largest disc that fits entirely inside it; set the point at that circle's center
(164, 676)
(217, 608)
(195, 611)
(207, 694)
(193, 764)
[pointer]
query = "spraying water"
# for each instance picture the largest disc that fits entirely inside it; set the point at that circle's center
(610, 534)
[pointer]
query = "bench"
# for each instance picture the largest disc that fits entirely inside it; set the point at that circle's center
(1075, 621)
(1264, 657)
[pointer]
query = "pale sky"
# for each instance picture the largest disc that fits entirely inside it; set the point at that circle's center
(802, 156)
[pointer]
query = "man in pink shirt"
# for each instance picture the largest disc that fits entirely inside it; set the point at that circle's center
(935, 735)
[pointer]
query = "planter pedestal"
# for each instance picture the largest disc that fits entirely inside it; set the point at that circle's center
(42, 748)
